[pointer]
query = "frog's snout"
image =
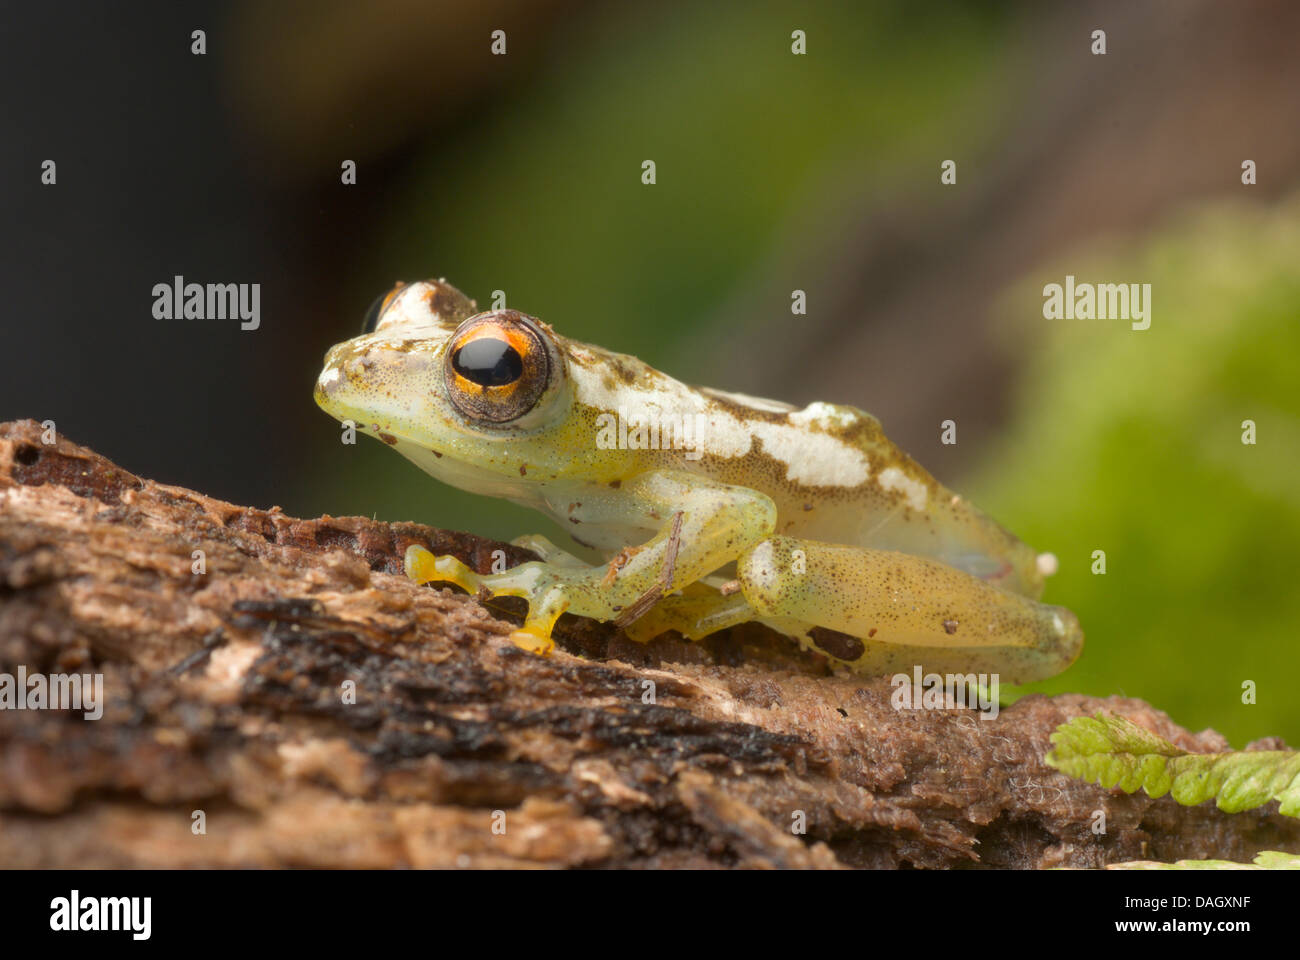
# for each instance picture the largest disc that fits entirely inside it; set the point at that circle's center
(327, 383)
(334, 382)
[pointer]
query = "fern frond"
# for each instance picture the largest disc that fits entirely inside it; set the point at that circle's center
(1116, 752)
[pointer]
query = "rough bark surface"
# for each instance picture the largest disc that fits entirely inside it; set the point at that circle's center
(226, 692)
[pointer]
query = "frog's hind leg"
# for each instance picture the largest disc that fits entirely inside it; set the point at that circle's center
(880, 611)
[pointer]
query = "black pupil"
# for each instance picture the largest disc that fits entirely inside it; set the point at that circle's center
(488, 362)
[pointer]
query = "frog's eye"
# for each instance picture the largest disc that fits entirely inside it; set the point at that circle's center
(377, 308)
(497, 367)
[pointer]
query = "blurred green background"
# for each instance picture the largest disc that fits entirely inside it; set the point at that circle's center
(1131, 443)
(820, 172)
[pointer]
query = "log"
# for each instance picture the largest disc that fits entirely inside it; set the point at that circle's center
(299, 703)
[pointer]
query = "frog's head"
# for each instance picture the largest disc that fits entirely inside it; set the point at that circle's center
(479, 400)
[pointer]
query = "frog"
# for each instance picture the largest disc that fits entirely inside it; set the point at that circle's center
(700, 509)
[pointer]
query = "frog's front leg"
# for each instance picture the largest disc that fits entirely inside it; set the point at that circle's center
(890, 610)
(701, 525)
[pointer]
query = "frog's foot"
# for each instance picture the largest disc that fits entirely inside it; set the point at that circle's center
(695, 613)
(879, 611)
(528, 580)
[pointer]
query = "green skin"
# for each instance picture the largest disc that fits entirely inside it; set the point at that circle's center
(731, 509)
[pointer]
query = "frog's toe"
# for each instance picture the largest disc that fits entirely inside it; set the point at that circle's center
(422, 566)
(419, 563)
(534, 639)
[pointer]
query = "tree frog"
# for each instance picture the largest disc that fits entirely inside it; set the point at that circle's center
(707, 508)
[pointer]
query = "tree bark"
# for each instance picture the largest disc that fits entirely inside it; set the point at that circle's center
(306, 705)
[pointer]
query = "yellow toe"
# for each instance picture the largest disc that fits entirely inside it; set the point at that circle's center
(533, 640)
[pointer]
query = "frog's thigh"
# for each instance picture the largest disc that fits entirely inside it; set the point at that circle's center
(883, 606)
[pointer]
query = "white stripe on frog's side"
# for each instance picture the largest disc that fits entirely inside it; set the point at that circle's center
(810, 457)
(825, 414)
(891, 478)
(653, 395)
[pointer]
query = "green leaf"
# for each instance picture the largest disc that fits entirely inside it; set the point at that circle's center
(1116, 752)
(1268, 860)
